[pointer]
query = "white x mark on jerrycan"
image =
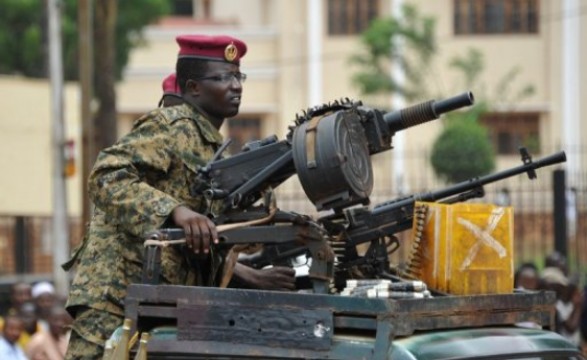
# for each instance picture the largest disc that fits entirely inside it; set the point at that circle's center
(483, 236)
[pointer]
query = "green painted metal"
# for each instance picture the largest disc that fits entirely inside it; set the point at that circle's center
(498, 342)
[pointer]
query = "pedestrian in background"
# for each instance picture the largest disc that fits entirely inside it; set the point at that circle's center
(9, 348)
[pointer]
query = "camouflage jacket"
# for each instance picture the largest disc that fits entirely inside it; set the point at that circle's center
(135, 185)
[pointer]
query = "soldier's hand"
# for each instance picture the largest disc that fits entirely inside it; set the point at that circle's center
(200, 231)
(276, 278)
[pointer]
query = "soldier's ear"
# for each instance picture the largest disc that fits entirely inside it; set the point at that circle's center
(192, 87)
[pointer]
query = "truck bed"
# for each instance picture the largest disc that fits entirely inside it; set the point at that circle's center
(188, 322)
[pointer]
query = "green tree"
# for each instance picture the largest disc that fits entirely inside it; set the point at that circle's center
(391, 39)
(471, 67)
(21, 37)
(409, 42)
(463, 149)
(117, 29)
(23, 32)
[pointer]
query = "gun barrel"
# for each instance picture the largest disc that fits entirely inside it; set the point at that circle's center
(555, 158)
(426, 111)
(529, 167)
(453, 103)
(467, 185)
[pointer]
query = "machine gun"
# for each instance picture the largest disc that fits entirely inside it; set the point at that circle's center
(329, 147)
(377, 226)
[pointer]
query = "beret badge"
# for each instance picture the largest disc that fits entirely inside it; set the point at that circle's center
(230, 52)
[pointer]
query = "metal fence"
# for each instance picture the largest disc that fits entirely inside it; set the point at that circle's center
(532, 202)
(26, 241)
(533, 223)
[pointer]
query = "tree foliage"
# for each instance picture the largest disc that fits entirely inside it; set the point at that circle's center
(463, 150)
(23, 34)
(21, 37)
(391, 39)
(471, 67)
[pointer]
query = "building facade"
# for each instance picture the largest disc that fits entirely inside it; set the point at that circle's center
(298, 57)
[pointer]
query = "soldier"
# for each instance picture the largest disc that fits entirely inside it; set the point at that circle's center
(171, 92)
(273, 278)
(146, 181)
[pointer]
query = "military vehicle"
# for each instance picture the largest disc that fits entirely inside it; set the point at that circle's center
(385, 314)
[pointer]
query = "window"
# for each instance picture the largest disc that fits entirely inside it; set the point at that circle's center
(509, 131)
(495, 17)
(182, 7)
(191, 8)
(349, 17)
(241, 131)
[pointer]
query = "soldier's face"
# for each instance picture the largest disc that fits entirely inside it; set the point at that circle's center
(219, 96)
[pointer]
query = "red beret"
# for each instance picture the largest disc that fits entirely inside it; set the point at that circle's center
(216, 48)
(169, 85)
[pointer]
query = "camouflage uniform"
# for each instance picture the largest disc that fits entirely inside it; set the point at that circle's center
(135, 185)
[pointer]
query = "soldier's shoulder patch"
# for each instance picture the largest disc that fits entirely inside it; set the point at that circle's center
(208, 131)
(174, 113)
(166, 115)
(153, 115)
(184, 111)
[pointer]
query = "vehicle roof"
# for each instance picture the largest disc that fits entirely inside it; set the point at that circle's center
(479, 343)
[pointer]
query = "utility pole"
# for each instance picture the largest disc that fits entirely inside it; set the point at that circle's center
(314, 13)
(86, 71)
(570, 115)
(60, 223)
(400, 186)
(571, 87)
